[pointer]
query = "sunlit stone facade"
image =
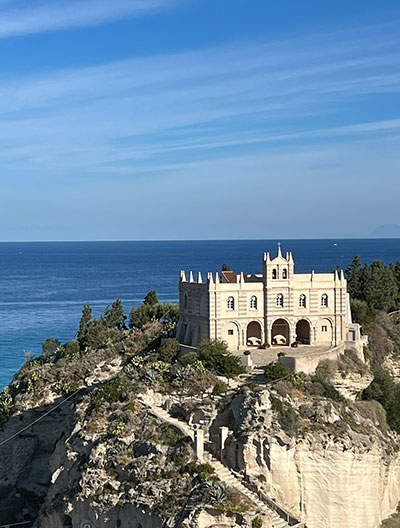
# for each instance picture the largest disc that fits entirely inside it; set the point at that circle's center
(278, 307)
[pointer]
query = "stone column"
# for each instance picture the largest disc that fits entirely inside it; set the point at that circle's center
(199, 444)
(223, 435)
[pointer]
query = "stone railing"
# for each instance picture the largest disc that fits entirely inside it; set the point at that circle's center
(290, 519)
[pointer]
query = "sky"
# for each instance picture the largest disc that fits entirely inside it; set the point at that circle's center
(198, 119)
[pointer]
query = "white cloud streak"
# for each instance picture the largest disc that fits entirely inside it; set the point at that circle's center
(19, 18)
(208, 119)
(104, 117)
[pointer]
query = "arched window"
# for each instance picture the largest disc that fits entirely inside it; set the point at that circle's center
(279, 300)
(302, 301)
(284, 274)
(230, 303)
(274, 273)
(324, 300)
(185, 301)
(253, 303)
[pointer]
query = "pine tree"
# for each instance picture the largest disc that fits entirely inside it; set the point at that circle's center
(114, 316)
(84, 325)
(382, 290)
(353, 275)
(151, 298)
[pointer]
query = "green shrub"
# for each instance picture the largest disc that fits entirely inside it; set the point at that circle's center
(214, 355)
(326, 369)
(170, 436)
(275, 371)
(169, 350)
(287, 416)
(392, 522)
(256, 523)
(189, 359)
(220, 388)
(328, 390)
(385, 391)
(50, 347)
(70, 350)
(114, 391)
(131, 406)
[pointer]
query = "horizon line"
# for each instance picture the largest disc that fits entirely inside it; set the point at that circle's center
(276, 239)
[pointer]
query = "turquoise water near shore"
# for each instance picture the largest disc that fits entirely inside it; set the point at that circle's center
(44, 285)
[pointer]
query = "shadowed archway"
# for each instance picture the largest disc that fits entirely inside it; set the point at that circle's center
(280, 333)
(303, 332)
(253, 334)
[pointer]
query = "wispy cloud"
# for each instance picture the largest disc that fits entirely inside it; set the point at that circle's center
(39, 16)
(238, 117)
(172, 107)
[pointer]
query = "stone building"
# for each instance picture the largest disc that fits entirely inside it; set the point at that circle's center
(278, 307)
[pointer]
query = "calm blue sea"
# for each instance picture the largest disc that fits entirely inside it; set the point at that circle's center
(43, 286)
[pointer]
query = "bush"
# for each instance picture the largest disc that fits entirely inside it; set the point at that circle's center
(392, 522)
(214, 355)
(167, 313)
(385, 391)
(71, 349)
(114, 391)
(287, 416)
(170, 436)
(275, 371)
(220, 388)
(329, 390)
(326, 369)
(50, 347)
(256, 523)
(151, 298)
(189, 359)
(169, 350)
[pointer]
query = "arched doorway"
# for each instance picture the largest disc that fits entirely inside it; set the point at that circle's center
(253, 334)
(280, 333)
(303, 332)
(231, 335)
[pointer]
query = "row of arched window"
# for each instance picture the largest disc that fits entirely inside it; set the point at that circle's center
(302, 301)
(230, 303)
(280, 301)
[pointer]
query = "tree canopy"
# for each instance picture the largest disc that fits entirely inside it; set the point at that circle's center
(373, 287)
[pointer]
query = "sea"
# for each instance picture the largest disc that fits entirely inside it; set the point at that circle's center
(44, 285)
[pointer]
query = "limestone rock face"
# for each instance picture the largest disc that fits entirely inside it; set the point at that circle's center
(327, 484)
(335, 476)
(352, 384)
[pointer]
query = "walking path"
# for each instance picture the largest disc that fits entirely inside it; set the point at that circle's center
(227, 476)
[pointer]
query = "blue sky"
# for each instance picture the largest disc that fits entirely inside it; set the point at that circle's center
(196, 119)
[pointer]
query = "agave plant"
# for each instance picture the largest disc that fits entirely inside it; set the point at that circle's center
(151, 376)
(214, 492)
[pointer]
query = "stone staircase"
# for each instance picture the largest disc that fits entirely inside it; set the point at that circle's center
(231, 480)
(166, 417)
(225, 474)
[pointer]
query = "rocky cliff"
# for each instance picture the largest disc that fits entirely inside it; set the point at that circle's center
(89, 452)
(81, 448)
(334, 464)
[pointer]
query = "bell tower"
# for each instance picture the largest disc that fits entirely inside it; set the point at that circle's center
(278, 269)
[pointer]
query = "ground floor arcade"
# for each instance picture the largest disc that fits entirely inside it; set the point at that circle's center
(278, 332)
